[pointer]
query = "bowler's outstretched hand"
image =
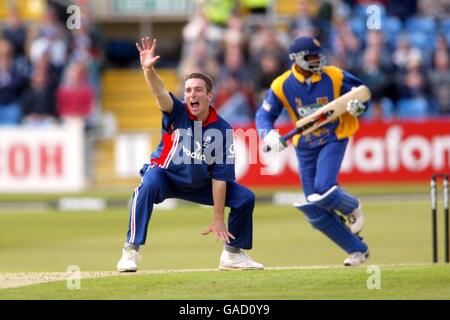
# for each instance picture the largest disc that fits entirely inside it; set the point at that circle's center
(147, 52)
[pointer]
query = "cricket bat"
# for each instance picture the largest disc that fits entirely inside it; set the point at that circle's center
(326, 114)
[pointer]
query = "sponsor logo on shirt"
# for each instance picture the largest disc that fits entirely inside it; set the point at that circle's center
(197, 154)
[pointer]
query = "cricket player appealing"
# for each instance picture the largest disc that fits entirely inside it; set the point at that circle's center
(307, 86)
(194, 162)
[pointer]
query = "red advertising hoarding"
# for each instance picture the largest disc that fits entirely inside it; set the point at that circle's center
(34, 159)
(400, 151)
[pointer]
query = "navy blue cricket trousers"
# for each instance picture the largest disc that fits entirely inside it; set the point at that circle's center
(319, 167)
(157, 186)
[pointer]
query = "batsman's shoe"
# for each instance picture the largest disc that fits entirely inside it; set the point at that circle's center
(356, 258)
(356, 220)
(238, 261)
(129, 260)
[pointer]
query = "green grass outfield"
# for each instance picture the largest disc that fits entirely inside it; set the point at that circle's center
(323, 283)
(398, 232)
(125, 192)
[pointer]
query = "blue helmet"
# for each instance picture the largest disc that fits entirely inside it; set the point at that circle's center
(304, 46)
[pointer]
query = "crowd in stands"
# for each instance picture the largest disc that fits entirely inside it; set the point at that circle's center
(47, 73)
(404, 59)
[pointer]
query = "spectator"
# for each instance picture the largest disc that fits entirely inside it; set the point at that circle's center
(199, 59)
(414, 91)
(404, 53)
(53, 73)
(402, 9)
(15, 33)
(199, 29)
(38, 102)
(234, 62)
(85, 48)
(81, 45)
(234, 101)
(414, 82)
(440, 44)
(434, 8)
(323, 22)
(75, 96)
(267, 68)
(235, 34)
(302, 21)
(440, 81)
(345, 45)
(376, 78)
(12, 83)
(266, 38)
(51, 39)
(375, 39)
(75, 101)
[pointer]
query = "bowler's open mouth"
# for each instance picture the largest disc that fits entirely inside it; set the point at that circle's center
(194, 104)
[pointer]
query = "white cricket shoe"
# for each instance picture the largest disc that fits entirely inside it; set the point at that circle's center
(129, 260)
(238, 261)
(356, 220)
(356, 258)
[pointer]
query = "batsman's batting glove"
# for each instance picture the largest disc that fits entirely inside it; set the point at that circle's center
(274, 141)
(355, 108)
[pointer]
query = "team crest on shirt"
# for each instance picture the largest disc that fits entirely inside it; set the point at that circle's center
(322, 100)
(302, 111)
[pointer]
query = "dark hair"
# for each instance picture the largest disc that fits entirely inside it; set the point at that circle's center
(198, 75)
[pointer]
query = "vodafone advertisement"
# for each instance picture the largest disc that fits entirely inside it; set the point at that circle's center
(52, 159)
(42, 159)
(379, 152)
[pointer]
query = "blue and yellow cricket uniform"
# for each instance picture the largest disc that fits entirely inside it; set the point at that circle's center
(321, 152)
(300, 98)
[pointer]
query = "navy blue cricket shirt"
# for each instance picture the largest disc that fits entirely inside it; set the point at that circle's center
(192, 152)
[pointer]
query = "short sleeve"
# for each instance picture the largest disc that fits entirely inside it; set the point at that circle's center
(349, 81)
(171, 121)
(268, 113)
